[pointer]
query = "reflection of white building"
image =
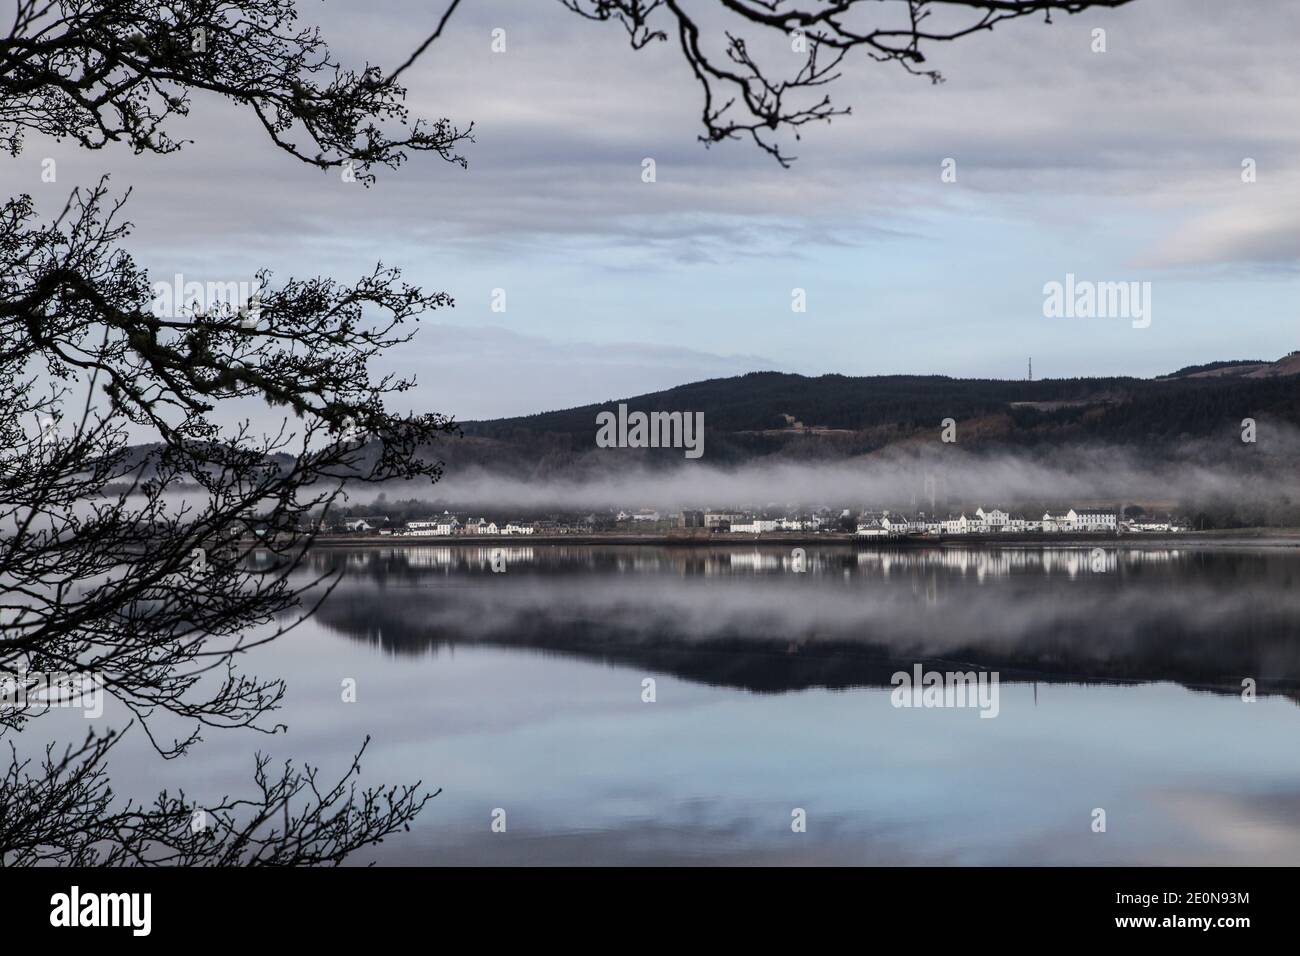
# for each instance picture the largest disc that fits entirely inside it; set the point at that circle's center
(428, 557)
(755, 562)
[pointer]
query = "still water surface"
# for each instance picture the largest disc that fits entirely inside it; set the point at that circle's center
(1121, 679)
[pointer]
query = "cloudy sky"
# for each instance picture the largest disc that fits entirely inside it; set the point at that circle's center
(1123, 165)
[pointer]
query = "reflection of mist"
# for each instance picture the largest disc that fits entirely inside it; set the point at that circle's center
(740, 616)
(735, 559)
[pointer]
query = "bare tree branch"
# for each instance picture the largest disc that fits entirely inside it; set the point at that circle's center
(123, 70)
(755, 95)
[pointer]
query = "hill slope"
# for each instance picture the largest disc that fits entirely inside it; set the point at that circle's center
(774, 415)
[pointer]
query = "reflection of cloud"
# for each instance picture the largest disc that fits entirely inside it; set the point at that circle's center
(1256, 829)
(726, 838)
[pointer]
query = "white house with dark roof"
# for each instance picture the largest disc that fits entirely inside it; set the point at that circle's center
(1053, 522)
(896, 524)
(370, 523)
(1092, 520)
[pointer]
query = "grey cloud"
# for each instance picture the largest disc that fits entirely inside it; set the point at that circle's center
(566, 115)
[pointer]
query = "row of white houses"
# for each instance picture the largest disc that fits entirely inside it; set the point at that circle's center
(993, 521)
(448, 525)
(869, 524)
(762, 525)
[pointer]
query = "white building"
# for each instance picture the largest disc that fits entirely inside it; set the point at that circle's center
(434, 527)
(993, 520)
(1092, 520)
(1053, 522)
(718, 520)
(896, 524)
(756, 526)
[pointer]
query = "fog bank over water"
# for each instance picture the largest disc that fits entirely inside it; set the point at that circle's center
(908, 476)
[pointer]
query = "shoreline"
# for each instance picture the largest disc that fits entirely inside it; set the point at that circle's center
(1268, 537)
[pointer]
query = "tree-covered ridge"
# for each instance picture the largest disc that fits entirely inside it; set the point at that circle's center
(1115, 408)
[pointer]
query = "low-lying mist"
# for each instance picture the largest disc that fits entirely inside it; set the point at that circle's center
(1266, 474)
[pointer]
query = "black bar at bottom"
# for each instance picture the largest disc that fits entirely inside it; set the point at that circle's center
(371, 905)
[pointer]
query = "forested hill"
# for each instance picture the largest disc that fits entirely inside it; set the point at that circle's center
(775, 415)
(758, 413)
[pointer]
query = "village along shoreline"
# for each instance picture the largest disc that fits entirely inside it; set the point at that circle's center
(1253, 537)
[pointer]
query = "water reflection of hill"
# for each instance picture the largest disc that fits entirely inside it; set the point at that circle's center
(745, 618)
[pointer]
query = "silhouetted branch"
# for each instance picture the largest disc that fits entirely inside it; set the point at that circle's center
(60, 810)
(122, 70)
(157, 596)
(108, 575)
(755, 95)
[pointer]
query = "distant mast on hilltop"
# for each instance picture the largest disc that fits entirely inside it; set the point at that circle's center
(1031, 370)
